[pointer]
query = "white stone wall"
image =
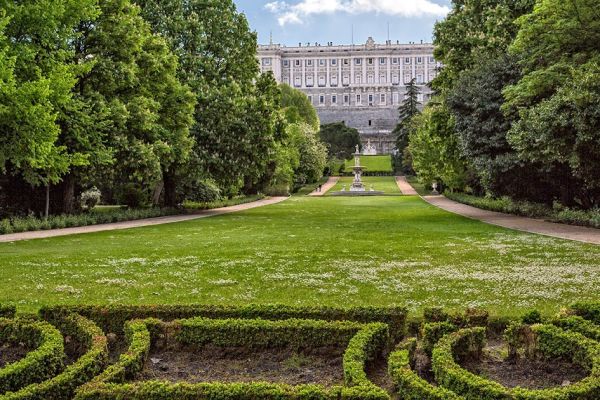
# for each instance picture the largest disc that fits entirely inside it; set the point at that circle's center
(362, 85)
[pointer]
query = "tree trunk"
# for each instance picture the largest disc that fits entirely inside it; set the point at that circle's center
(157, 192)
(170, 189)
(47, 208)
(68, 194)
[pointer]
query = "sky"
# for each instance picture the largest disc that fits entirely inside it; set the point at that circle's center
(322, 21)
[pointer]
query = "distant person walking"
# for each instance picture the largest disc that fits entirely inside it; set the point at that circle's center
(320, 187)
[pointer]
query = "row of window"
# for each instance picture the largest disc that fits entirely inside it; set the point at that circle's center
(359, 98)
(358, 79)
(346, 61)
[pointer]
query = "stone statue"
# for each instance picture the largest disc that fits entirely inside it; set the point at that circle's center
(357, 149)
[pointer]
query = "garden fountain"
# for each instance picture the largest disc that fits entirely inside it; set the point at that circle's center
(358, 187)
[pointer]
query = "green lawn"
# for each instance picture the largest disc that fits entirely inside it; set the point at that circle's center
(387, 184)
(372, 163)
(331, 250)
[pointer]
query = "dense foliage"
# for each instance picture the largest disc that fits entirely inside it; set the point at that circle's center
(341, 140)
(150, 101)
(520, 83)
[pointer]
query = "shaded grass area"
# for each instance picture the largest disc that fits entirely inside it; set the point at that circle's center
(387, 184)
(194, 205)
(372, 163)
(335, 251)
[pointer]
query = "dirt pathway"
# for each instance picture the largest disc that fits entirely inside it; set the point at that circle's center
(13, 237)
(326, 186)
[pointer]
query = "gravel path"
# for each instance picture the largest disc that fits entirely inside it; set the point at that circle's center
(531, 225)
(405, 187)
(326, 186)
(13, 237)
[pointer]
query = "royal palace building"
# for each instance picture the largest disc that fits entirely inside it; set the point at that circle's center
(361, 85)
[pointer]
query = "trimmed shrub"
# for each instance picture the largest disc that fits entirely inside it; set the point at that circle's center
(435, 314)
(408, 384)
(63, 385)
(589, 311)
(7, 310)
(364, 342)
(580, 325)
(42, 362)
(112, 318)
(433, 331)
(549, 341)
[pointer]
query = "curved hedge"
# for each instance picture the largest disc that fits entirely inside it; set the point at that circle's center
(548, 341)
(408, 384)
(63, 385)
(589, 311)
(42, 362)
(112, 318)
(365, 341)
(7, 311)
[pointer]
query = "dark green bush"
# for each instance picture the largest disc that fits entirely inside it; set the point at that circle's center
(589, 311)
(7, 310)
(578, 324)
(433, 331)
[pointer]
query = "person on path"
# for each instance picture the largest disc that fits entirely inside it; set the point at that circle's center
(320, 187)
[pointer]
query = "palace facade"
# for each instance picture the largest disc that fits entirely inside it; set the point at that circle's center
(361, 85)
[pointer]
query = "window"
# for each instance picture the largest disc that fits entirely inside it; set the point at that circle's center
(358, 99)
(370, 99)
(432, 60)
(333, 61)
(407, 79)
(334, 80)
(309, 63)
(286, 80)
(370, 61)
(370, 122)
(396, 98)
(407, 60)
(370, 79)
(286, 63)
(419, 78)
(310, 98)
(358, 61)
(321, 63)
(346, 61)
(395, 79)
(419, 60)
(382, 98)
(309, 80)
(266, 61)
(346, 99)
(334, 99)
(382, 61)
(321, 99)
(382, 78)
(297, 63)
(395, 60)
(321, 80)
(358, 79)
(297, 81)
(346, 80)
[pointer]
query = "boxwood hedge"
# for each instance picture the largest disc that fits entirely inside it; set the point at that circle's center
(549, 342)
(364, 341)
(43, 360)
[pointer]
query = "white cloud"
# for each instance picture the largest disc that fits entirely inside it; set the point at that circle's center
(296, 13)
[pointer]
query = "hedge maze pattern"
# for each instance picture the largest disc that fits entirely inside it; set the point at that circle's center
(366, 334)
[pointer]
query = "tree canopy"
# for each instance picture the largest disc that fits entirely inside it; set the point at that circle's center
(340, 139)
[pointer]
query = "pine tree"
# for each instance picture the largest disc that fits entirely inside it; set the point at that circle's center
(407, 110)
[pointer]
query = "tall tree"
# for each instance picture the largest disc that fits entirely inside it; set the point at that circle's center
(40, 35)
(217, 54)
(558, 97)
(297, 107)
(340, 139)
(409, 108)
(150, 111)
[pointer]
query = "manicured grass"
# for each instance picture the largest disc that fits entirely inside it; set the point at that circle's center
(372, 163)
(328, 251)
(387, 184)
